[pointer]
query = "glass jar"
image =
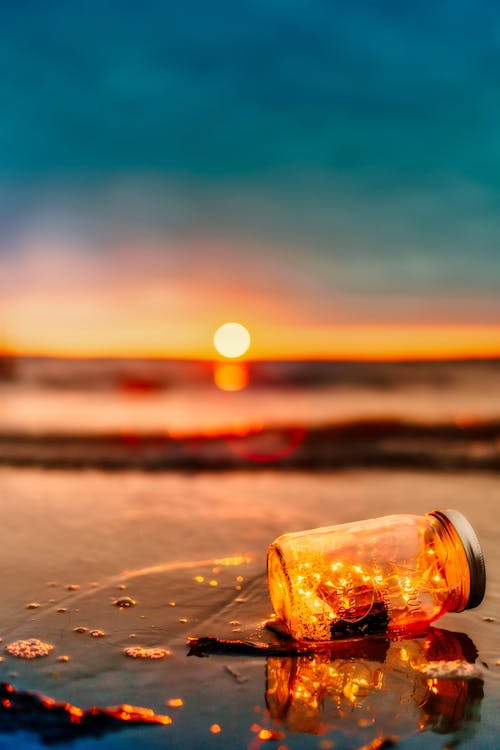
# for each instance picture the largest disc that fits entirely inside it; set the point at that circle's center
(397, 573)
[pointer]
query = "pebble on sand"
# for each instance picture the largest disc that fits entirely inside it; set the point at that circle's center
(124, 602)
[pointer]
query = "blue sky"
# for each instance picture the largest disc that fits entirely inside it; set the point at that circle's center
(353, 146)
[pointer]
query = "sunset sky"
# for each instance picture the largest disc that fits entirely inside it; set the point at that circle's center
(327, 174)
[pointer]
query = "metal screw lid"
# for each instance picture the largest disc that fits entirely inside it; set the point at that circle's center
(473, 552)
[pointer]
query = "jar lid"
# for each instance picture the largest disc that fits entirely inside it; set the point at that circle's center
(473, 552)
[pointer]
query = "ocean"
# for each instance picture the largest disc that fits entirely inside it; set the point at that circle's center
(170, 414)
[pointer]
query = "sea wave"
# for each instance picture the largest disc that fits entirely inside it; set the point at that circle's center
(386, 443)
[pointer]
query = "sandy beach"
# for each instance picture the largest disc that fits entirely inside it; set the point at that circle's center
(189, 550)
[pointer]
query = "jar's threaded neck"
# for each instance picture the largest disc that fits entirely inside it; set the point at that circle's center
(453, 521)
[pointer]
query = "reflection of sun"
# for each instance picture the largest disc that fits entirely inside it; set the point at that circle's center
(231, 340)
(230, 376)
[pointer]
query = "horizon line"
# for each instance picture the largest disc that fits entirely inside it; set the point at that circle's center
(444, 357)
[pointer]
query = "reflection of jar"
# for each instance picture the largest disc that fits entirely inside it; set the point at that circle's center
(376, 681)
(398, 572)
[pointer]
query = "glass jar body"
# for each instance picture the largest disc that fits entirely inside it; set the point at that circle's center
(396, 573)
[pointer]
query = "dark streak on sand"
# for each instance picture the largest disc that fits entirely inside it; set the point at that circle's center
(207, 645)
(373, 648)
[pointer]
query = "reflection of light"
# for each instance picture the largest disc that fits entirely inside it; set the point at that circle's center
(375, 680)
(230, 376)
(232, 340)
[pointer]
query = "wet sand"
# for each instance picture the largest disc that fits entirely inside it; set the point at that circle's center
(189, 550)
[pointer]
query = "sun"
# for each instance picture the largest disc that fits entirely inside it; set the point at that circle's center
(232, 340)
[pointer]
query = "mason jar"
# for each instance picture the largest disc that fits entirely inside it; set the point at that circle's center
(397, 573)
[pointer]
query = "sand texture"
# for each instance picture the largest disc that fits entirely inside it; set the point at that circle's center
(123, 560)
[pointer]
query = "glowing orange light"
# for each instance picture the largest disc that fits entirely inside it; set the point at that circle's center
(235, 560)
(216, 729)
(265, 734)
(175, 702)
(232, 340)
(74, 714)
(230, 377)
(164, 720)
